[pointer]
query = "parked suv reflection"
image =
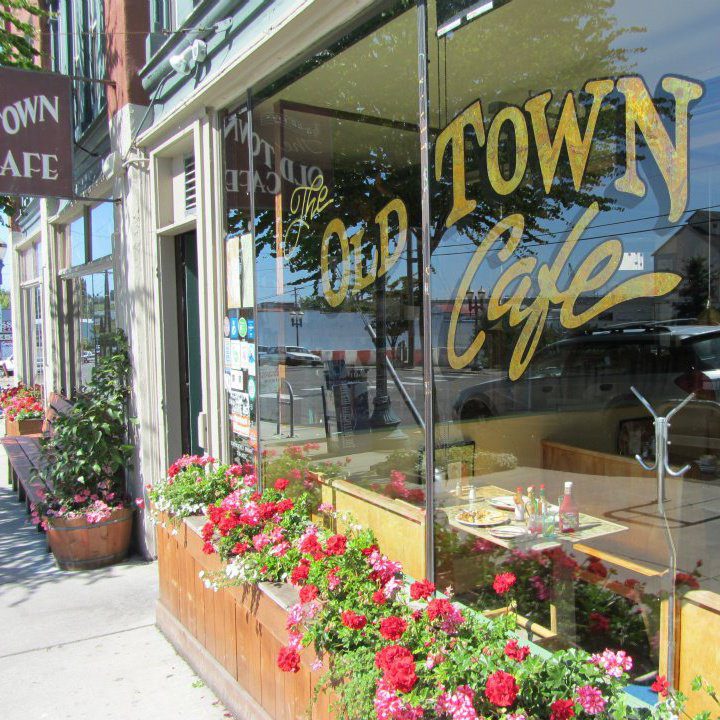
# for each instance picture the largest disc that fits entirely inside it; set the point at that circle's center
(597, 369)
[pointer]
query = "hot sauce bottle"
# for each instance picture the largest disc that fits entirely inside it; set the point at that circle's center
(569, 516)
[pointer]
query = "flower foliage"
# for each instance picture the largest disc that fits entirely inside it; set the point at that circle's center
(396, 650)
(193, 482)
(21, 402)
(86, 456)
(23, 407)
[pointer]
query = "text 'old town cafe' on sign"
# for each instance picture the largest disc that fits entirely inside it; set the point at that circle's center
(35, 134)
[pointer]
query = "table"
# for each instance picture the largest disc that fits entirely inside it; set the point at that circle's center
(591, 527)
(595, 529)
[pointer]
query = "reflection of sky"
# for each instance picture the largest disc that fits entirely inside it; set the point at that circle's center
(641, 224)
(676, 41)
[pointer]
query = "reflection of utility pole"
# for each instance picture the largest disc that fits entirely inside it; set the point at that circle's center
(296, 319)
(476, 305)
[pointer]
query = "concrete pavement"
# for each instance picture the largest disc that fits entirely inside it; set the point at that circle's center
(77, 646)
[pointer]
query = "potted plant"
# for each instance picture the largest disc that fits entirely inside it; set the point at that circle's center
(22, 409)
(86, 510)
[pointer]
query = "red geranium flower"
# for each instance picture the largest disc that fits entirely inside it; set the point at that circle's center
(240, 548)
(562, 710)
(353, 620)
(308, 593)
(599, 623)
(336, 545)
(369, 550)
(285, 505)
(398, 666)
(595, 566)
(503, 582)
(267, 510)
(661, 686)
(310, 544)
(439, 607)
(422, 589)
(393, 627)
(288, 659)
(378, 597)
(280, 484)
(686, 579)
(501, 689)
(299, 573)
(207, 548)
(515, 652)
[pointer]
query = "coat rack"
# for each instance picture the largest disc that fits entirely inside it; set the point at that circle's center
(662, 466)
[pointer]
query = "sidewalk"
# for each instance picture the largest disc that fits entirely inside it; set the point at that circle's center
(77, 646)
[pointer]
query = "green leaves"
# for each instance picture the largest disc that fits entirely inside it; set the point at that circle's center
(89, 445)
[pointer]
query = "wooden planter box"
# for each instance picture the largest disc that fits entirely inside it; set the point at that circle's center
(23, 427)
(231, 637)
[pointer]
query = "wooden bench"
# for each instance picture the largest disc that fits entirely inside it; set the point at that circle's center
(25, 456)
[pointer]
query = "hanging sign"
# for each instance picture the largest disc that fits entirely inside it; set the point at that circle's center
(35, 134)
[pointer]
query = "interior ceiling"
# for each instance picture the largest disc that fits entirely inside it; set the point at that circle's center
(505, 55)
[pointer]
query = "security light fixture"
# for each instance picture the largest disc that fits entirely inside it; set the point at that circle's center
(184, 63)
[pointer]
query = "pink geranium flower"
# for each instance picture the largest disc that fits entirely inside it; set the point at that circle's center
(591, 699)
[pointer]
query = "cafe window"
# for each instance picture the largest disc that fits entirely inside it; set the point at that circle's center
(31, 314)
(88, 293)
(574, 181)
(240, 362)
(572, 266)
(336, 173)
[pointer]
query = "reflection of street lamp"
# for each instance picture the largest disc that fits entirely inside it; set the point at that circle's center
(383, 415)
(476, 305)
(296, 320)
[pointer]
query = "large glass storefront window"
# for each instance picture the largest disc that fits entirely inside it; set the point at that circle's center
(574, 227)
(88, 293)
(337, 217)
(240, 347)
(573, 267)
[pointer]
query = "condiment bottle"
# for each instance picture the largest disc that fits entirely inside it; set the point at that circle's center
(569, 516)
(519, 506)
(542, 502)
(531, 505)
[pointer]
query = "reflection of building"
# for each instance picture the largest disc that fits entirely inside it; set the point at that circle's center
(698, 240)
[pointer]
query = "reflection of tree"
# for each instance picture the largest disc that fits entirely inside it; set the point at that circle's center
(693, 291)
(396, 315)
(582, 30)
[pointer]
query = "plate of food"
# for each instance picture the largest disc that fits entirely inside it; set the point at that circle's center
(481, 517)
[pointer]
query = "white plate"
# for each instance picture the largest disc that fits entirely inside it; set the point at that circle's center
(508, 533)
(504, 502)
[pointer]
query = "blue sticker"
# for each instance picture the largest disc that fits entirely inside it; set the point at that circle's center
(234, 330)
(251, 329)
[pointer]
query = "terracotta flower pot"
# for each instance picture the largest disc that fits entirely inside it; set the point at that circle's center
(80, 545)
(23, 427)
